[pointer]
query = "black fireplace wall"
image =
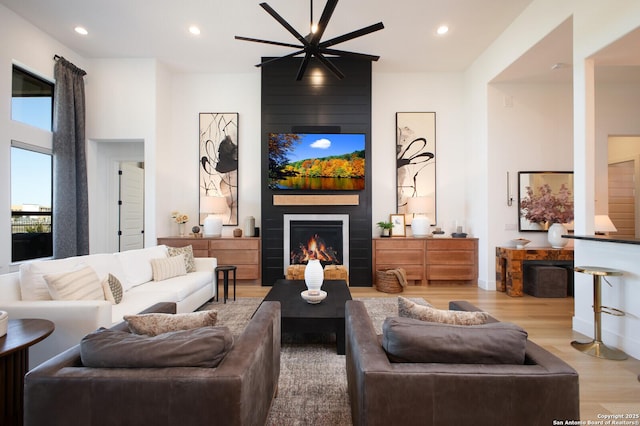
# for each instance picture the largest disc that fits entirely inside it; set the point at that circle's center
(321, 103)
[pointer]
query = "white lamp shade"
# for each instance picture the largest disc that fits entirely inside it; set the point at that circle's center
(214, 206)
(418, 205)
(604, 224)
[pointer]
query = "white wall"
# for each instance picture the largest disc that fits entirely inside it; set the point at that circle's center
(439, 92)
(534, 134)
(595, 25)
(178, 164)
(489, 143)
(121, 105)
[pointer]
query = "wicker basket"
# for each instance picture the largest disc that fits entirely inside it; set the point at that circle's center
(387, 280)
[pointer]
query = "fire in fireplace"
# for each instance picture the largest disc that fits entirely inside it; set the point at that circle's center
(322, 237)
(316, 246)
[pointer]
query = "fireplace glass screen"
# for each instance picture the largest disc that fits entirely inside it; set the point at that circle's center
(320, 240)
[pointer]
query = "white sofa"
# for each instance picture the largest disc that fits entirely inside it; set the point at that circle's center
(74, 319)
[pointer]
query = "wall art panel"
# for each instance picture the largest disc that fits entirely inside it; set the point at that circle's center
(218, 161)
(416, 159)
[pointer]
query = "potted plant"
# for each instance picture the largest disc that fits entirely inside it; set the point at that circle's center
(385, 228)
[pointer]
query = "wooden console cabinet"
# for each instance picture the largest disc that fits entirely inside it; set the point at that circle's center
(429, 260)
(243, 252)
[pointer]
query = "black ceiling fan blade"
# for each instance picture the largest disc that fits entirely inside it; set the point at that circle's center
(276, 43)
(303, 66)
(353, 34)
(284, 23)
(327, 12)
(353, 55)
(330, 66)
(268, 61)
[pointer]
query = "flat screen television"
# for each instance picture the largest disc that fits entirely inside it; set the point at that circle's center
(317, 161)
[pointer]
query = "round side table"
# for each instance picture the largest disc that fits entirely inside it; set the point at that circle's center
(14, 360)
(225, 286)
(596, 347)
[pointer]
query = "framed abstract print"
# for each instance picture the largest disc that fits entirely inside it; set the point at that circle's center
(218, 162)
(416, 160)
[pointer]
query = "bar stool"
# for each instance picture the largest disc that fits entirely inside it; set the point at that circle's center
(225, 272)
(596, 347)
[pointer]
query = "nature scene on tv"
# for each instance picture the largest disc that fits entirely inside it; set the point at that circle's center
(308, 161)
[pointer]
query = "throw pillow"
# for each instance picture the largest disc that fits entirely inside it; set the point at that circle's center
(156, 323)
(405, 305)
(411, 309)
(112, 289)
(201, 347)
(411, 340)
(136, 264)
(168, 267)
(32, 283)
(189, 262)
(80, 284)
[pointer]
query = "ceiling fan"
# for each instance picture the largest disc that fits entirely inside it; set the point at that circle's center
(312, 46)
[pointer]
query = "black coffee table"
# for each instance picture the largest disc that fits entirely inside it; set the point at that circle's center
(298, 316)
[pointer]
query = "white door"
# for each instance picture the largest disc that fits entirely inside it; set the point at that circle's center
(131, 207)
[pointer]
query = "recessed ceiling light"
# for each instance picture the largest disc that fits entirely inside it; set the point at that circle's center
(442, 30)
(194, 30)
(81, 30)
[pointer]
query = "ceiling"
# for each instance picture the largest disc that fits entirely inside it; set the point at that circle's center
(159, 29)
(548, 61)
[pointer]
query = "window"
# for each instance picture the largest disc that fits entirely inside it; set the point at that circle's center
(31, 99)
(31, 195)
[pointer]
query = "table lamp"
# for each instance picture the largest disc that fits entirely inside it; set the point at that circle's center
(603, 225)
(214, 207)
(420, 223)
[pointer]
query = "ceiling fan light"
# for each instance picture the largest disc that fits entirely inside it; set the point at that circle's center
(312, 46)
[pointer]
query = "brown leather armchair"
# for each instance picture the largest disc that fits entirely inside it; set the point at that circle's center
(381, 392)
(239, 391)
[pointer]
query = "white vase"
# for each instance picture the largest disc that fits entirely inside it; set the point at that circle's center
(313, 275)
(4, 323)
(554, 235)
(249, 226)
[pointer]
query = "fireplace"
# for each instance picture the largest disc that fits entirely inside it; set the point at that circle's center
(316, 236)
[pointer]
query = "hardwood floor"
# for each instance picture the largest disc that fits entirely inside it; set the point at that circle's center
(606, 387)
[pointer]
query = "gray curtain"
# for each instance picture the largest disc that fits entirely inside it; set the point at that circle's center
(70, 195)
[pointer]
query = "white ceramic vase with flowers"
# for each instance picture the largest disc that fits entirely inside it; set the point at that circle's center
(181, 219)
(545, 207)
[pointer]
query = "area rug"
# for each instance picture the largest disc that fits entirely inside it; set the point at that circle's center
(312, 389)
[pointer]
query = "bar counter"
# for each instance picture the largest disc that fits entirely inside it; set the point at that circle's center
(604, 239)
